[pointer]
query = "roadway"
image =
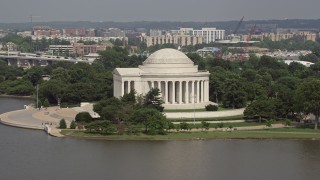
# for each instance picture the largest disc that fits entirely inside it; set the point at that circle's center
(41, 58)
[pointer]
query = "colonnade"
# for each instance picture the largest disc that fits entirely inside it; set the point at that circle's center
(175, 92)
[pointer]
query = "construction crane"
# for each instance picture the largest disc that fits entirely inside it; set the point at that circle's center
(252, 31)
(238, 26)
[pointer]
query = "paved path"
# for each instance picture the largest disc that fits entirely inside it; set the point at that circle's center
(212, 122)
(207, 114)
(33, 119)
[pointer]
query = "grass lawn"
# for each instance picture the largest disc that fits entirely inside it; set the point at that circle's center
(226, 124)
(285, 133)
(220, 108)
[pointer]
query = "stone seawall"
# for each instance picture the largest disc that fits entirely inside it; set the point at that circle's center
(4, 119)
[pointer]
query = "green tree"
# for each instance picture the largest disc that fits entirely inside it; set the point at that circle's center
(52, 90)
(129, 98)
(62, 124)
(34, 75)
(73, 125)
(83, 117)
(307, 98)
(151, 119)
(185, 126)
(260, 108)
(234, 95)
(152, 99)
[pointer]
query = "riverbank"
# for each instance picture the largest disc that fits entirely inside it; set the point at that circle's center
(284, 133)
(16, 96)
(36, 119)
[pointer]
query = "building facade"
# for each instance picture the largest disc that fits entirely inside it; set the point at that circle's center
(79, 48)
(181, 84)
(279, 36)
(180, 40)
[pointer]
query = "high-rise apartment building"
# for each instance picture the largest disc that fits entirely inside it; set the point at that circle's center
(209, 34)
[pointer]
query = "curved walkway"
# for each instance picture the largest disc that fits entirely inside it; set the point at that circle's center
(33, 119)
(215, 114)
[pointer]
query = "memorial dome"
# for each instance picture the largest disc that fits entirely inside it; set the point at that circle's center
(168, 56)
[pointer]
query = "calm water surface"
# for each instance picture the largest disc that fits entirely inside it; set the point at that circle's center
(29, 154)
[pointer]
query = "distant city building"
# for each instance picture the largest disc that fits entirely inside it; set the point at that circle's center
(79, 48)
(78, 38)
(45, 31)
(156, 32)
(10, 46)
(180, 40)
(81, 32)
(284, 35)
(74, 32)
(133, 37)
(209, 34)
(25, 34)
(114, 32)
(207, 51)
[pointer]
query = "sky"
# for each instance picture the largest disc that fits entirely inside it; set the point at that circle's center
(156, 10)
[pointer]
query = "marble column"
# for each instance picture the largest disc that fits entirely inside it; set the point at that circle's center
(173, 92)
(202, 91)
(122, 88)
(187, 93)
(192, 93)
(166, 92)
(180, 92)
(197, 93)
(207, 91)
(129, 87)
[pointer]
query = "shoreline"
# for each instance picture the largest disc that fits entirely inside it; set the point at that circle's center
(238, 135)
(277, 131)
(16, 96)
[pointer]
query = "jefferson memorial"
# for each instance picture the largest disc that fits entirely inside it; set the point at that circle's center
(181, 84)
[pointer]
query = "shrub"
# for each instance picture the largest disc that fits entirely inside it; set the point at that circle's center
(211, 107)
(205, 125)
(46, 103)
(83, 117)
(220, 125)
(185, 126)
(269, 123)
(62, 124)
(102, 127)
(73, 125)
(171, 126)
(287, 122)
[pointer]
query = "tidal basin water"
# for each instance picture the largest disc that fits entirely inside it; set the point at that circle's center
(30, 154)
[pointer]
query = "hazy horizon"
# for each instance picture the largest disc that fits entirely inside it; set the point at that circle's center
(15, 11)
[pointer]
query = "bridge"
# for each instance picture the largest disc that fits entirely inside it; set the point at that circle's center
(27, 60)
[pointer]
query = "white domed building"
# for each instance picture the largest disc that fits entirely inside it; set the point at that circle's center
(181, 84)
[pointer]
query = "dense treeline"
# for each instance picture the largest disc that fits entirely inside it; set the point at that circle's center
(289, 45)
(26, 44)
(271, 88)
